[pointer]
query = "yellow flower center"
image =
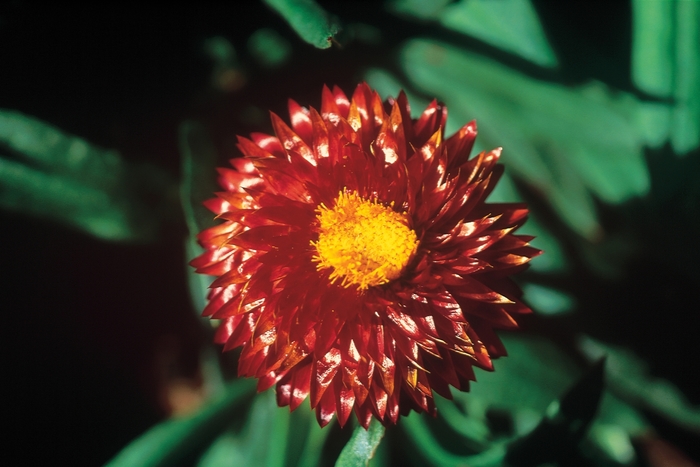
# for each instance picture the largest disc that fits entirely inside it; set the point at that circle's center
(366, 243)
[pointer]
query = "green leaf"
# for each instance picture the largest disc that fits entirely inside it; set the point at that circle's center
(524, 383)
(198, 175)
(310, 441)
(53, 175)
(270, 437)
(474, 431)
(262, 441)
(48, 148)
(361, 447)
(198, 184)
(418, 8)
(558, 435)
(176, 439)
(629, 378)
(522, 388)
(429, 447)
(666, 64)
(308, 19)
(685, 124)
(511, 25)
(567, 143)
(653, 43)
(269, 47)
(546, 300)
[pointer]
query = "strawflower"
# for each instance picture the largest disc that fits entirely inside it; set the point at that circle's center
(358, 263)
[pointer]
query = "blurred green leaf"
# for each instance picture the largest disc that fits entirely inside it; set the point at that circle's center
(430, 449)
(523, 385)
(261, 442)
(614, 442)
(307, 438)
(418, 8)
(666, 64)
(198, 175)
(511, 25)
(361, 447)
(308, 19)
(609, 439)
(567, 143)
(48, 148)
(520, 392)
(566, 422)
(546, 300)
(220, 51)
(198, 283)
(629, 378)
(269, 47)
(474, 430)
(534, 374)
(198, 184)
(270, 436)
(653, 44)
(685, 124)
(50, 174)
(176, 439)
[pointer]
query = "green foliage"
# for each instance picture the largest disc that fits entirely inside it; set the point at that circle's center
(535, 408)
(176, 439)
(630, 379)
(564, 426)
(269, 47)
(198, 180)
(362, 446)
(666, 65)
(237, 429)
(511, 25)
(262, 441)
(308, 19)
(548, 301)
(198, 184)
(566, 143)
(55, 176)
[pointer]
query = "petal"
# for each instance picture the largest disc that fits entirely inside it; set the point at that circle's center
(300, 386)
(291, 141)
(268, 143)
(460, 144)
(322, 374)
(301, 122)
(431, 120)
(345, 399)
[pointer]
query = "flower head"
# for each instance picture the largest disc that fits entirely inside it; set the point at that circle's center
(358, 262)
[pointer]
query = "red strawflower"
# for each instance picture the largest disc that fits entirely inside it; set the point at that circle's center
(358, 262)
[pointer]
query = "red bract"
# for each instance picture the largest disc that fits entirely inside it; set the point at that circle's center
(358, 262)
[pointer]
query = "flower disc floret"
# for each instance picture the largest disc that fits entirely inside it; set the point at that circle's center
(364, 243)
